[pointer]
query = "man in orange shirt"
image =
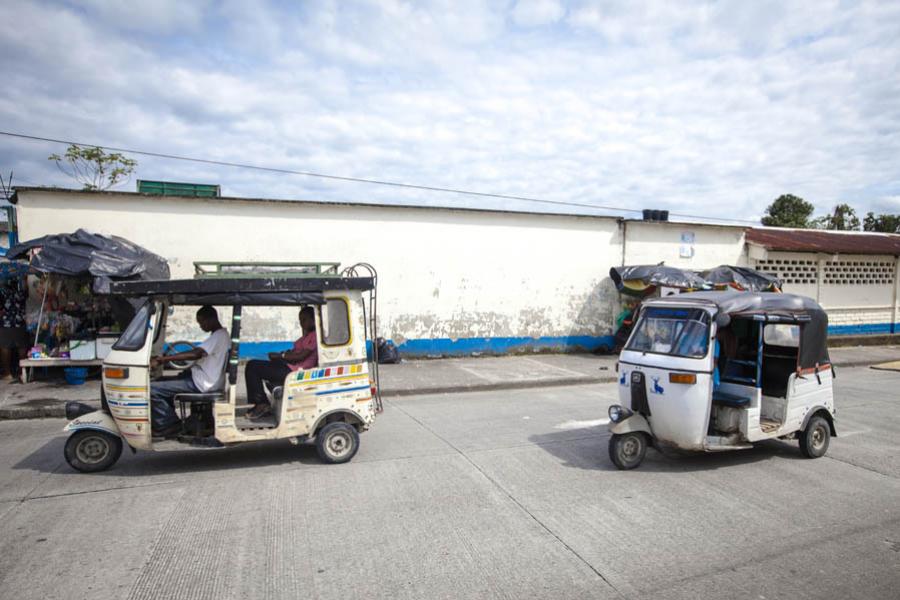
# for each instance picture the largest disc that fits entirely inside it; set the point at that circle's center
(303, 355)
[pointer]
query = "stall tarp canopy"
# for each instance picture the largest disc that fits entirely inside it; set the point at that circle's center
(106, 258)
(742, 278)
(637, 280)
(642, 280)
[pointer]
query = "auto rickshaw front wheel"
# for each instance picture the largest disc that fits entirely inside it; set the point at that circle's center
(815, 438)
(337, 442)
(627, 450)
(90, 451)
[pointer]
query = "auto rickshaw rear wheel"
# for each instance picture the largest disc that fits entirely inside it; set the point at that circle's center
(90, 451)
(815, 438)
(627, 450)
(337, 443)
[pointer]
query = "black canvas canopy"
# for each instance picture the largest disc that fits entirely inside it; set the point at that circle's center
(637, 280)
(742, 278)
(105, 258)
(768, 306)
(733, 302)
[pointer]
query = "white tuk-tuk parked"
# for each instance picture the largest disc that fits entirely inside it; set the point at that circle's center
(715, 371)
(329, 404)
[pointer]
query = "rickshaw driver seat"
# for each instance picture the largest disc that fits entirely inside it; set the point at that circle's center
(200, 403)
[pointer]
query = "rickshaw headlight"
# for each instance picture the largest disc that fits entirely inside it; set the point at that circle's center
(618, 413)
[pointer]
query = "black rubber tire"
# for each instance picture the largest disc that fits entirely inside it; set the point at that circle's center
(815, 438)
(627, 450)
(90, 451)
(337, 443)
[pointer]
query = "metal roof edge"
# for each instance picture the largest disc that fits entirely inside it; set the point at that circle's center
(305, 201)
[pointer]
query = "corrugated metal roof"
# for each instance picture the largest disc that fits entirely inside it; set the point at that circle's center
(829, 242)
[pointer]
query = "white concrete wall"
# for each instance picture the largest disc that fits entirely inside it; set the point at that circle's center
(713, 245)
(442, 273)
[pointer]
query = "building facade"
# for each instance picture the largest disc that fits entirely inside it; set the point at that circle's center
(459, 281)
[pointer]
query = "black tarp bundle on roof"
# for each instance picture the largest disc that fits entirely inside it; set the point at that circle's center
(742, 278)
(105, 258)
(637, 280)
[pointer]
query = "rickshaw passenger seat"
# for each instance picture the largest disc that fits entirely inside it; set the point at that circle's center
(720, 397)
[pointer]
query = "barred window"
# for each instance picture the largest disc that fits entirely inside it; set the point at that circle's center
(789, 270)
(859, 272)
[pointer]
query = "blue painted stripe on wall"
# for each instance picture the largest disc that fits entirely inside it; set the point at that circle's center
(503, 345)
(463, 346)
(864, 329)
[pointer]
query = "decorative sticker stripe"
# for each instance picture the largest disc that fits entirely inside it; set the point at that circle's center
(126, 388)
(120, 403)
(320, 382)
(341, 390)
(329, 372)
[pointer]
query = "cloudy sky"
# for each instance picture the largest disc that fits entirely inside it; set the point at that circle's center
(704, 108)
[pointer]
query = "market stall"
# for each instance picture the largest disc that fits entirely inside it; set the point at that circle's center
(76, 321)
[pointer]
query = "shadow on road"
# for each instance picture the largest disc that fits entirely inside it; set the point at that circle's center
(590, 452)
(47, 458)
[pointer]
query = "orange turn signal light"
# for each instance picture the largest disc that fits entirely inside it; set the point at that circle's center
(115, 373)
(688, 378)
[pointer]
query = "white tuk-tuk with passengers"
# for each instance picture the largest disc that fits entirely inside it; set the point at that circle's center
(715, 371)
(329, 404)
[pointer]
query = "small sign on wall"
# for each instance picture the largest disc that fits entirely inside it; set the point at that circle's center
(686, 250)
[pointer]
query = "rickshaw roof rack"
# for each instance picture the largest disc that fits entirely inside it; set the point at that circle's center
(243, 290)
(250, 270)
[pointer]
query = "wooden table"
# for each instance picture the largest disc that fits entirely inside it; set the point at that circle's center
(30, 363)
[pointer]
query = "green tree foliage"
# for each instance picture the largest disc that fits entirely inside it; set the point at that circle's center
(883, 223)
(842, 219)
(93, 168)
(788, 211)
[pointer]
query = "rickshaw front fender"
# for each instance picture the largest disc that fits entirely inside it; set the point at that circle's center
(97, 420)
(635, 422)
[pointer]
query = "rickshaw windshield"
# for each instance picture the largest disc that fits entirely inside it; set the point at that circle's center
(672, 331)
(134, 336)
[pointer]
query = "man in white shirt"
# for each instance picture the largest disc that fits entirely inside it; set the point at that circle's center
(207, 374)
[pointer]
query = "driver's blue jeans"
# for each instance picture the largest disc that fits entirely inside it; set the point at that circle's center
(162, 398)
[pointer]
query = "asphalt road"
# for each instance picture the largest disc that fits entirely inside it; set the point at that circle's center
(494, 494)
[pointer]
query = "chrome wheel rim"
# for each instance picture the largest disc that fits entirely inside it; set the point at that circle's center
(92, 450)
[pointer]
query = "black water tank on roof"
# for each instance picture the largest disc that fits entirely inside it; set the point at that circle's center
(656, 215)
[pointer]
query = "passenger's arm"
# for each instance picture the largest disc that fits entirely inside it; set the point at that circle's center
(296, 356)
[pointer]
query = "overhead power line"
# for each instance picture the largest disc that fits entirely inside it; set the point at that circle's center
(411, 186)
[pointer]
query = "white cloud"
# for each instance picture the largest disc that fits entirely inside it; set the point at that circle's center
(531, 13)
(158, 16)
(703, 108)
